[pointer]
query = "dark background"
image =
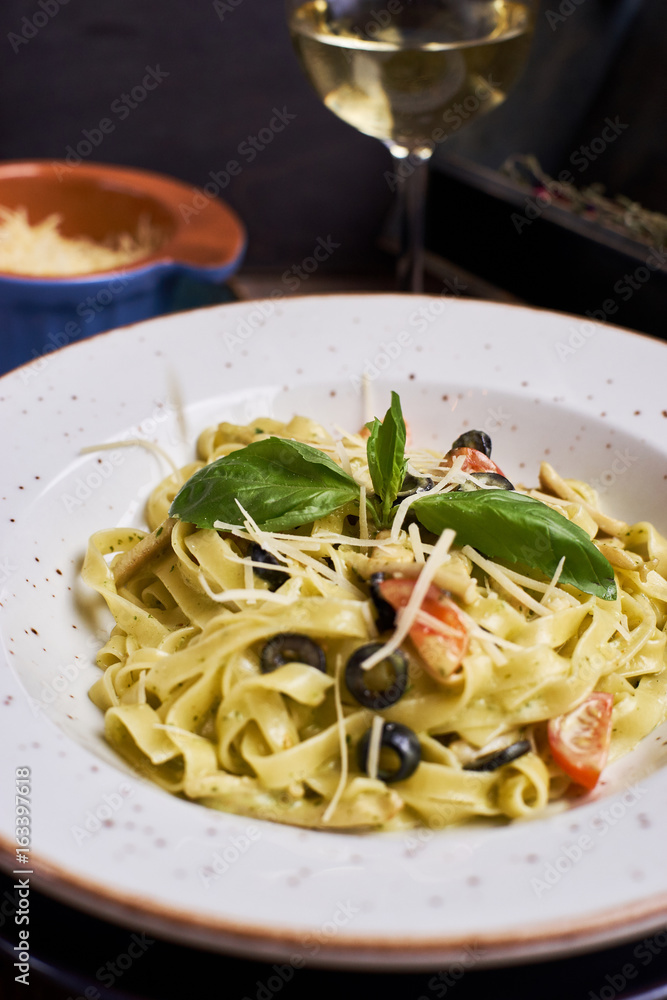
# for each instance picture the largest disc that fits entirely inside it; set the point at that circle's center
(229, 66)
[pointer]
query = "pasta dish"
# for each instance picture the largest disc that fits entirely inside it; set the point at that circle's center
(360, 634)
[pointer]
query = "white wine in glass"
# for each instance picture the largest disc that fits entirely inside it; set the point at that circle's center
(410, 73)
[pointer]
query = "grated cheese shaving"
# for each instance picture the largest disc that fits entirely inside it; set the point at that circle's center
(335, 557)
(363, 513)
(243, 594)
(304, 541)
(416, 542)
(344, 458)
(323, 570)
(276, 547)
(539, 585)
(489, 642)
(406, 503)
(501, 577)
(551, 587)
(309, 542)
(374, 747)
(232, 557)
(405, 618)
(496, 656)
(436, 625)
(454, 475)
(318, 581)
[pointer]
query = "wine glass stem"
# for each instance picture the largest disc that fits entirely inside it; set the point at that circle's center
(412, 170)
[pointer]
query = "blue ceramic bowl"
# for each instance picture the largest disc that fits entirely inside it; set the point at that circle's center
(202, 239)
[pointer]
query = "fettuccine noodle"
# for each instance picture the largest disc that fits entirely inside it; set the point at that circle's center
(185, 700)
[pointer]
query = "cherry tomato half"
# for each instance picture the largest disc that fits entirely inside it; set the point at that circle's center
(474, 461)
(579, 740)
(440, 653)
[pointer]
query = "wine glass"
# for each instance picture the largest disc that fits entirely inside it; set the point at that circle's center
(410, 73)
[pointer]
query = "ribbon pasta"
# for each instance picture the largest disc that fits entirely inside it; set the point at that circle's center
(186, 703)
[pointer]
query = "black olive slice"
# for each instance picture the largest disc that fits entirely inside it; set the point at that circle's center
(405, 744)
(274, 577)
(479, 440)
(493, 479)
(291, 647)
(492, 761)
(357, 678)
(414, 484)
(386, 616)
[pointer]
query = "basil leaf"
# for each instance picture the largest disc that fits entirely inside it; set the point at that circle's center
(510, 526)
(386, 455)
(282, 484)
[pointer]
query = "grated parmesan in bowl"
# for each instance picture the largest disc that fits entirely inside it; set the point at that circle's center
(41, 250)
(98, 247)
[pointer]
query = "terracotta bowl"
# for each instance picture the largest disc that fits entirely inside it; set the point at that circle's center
(201, 239)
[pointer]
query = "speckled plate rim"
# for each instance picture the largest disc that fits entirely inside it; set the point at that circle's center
(563, 939)
(582, 919)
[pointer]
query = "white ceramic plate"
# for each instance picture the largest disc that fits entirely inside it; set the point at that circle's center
(590, 397)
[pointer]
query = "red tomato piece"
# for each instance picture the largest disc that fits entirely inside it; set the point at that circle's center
(579, 740)
(474, 461)
(441, 653)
